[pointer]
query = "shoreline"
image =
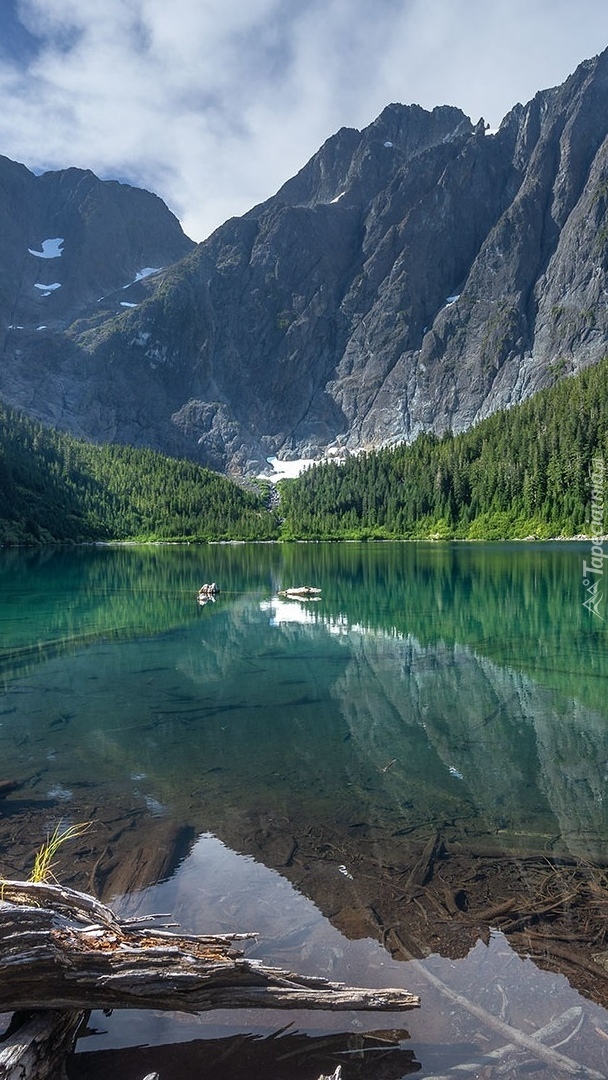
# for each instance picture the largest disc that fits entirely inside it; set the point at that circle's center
(579, 538)
(66, 544)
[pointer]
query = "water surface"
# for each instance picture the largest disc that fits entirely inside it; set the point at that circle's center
(282, 766)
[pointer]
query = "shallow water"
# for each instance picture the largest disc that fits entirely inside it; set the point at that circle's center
(449, 689)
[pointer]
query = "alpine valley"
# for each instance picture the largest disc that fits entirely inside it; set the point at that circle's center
(415, 276)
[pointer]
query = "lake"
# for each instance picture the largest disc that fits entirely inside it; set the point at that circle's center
(401, 783)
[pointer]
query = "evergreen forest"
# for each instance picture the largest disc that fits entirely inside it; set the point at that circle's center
(55, 488)
(523, 472)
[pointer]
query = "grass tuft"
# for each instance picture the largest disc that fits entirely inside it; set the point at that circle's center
(43, 862)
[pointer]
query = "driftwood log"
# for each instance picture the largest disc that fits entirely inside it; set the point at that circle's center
(37, 1044)
(64, 951)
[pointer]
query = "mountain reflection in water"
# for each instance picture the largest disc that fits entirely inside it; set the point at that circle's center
(422, 753)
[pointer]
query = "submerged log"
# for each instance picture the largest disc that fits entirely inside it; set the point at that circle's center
(560, 1064)
(64, 950)
(8, 786)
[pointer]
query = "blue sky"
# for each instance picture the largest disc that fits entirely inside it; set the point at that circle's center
(213, 104)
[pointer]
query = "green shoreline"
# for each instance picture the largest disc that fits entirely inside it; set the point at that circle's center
(64, 545)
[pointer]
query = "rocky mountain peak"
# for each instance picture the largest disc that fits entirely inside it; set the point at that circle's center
(353, 164)
(415, 275)
(70, 239)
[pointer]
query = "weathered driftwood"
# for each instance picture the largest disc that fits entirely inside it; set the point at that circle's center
(63, 949)
(37, 1045)
(62, 952)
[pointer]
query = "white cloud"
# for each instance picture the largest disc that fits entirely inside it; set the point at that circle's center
(214, 103)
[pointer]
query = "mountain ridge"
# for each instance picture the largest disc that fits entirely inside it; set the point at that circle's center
(414, 276)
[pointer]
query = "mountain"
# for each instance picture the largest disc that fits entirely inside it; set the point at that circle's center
(414, 276)
(72, 246)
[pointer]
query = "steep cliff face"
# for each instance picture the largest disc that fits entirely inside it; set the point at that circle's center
(415, 275)
(72, 245)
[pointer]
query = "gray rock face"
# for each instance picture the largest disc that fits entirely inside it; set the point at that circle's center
(73, 247)
(416, 275)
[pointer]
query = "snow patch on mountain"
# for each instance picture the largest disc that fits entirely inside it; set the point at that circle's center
(46, 290)
(143, 273)
(147, 270)
(49, 249)
(284, 470)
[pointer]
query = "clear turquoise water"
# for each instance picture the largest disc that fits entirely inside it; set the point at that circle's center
(430, 684)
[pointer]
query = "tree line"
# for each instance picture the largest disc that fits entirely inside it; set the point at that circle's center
(56, 488)
(522, 472)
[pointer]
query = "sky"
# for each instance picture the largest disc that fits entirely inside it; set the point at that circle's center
(213, 104)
